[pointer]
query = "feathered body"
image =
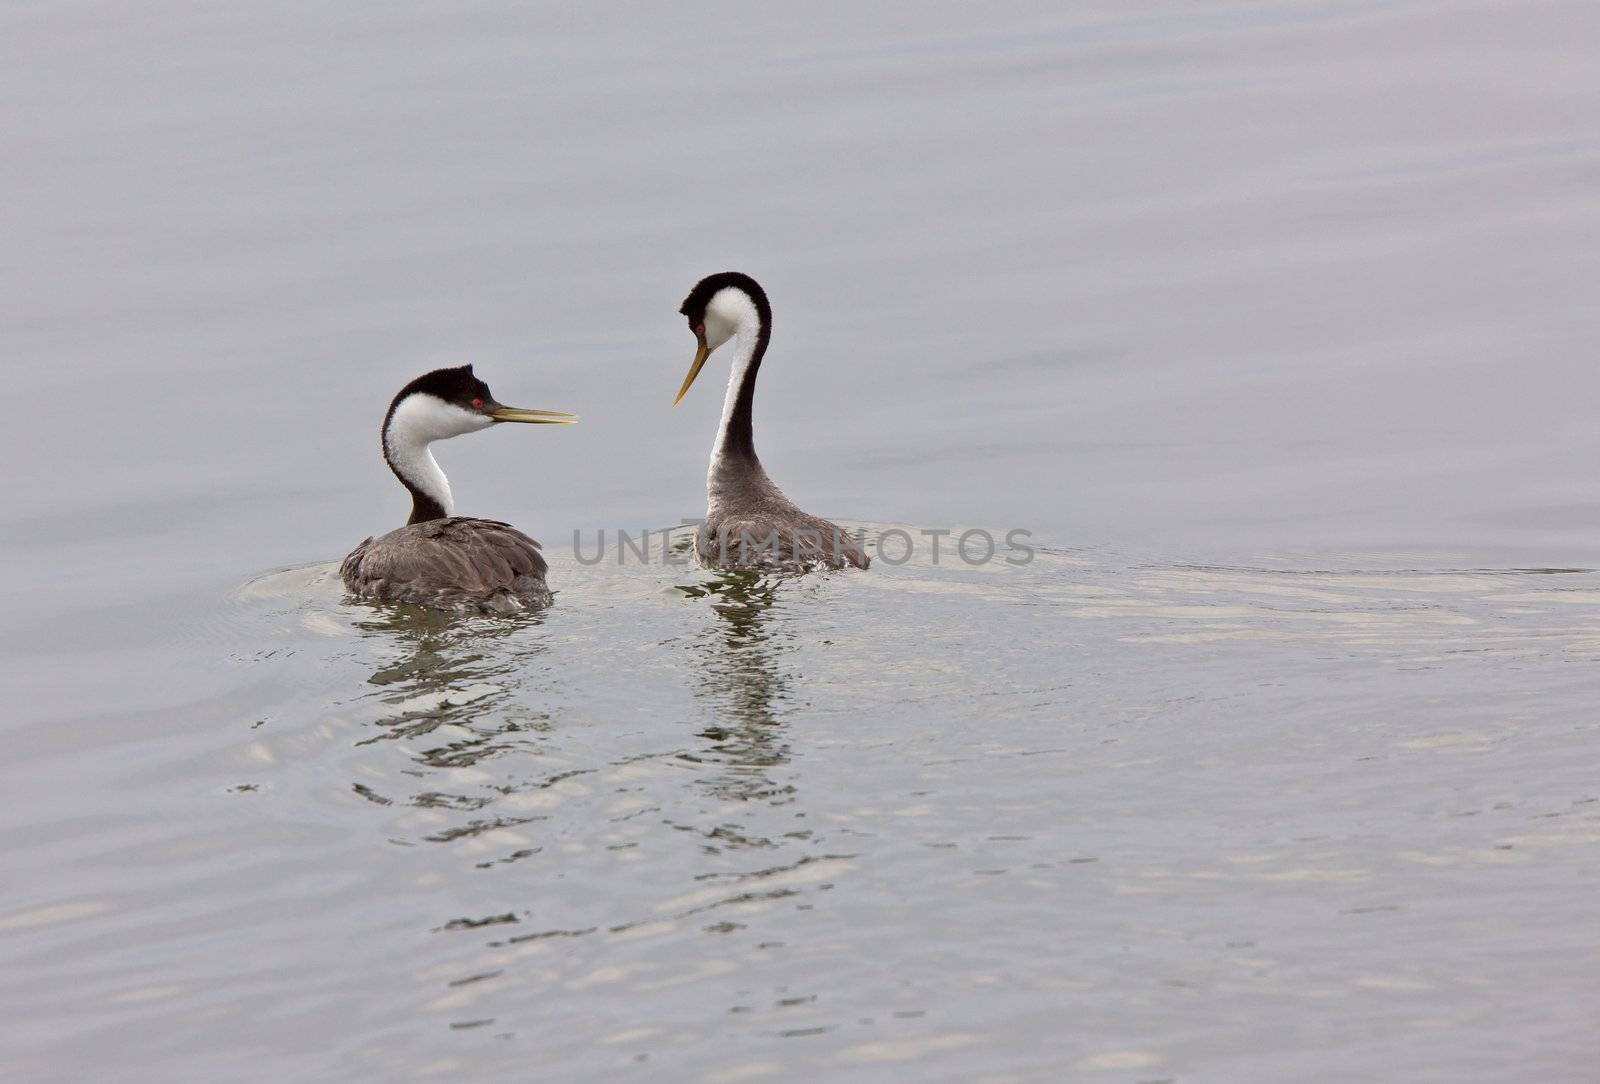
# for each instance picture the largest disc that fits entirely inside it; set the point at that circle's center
(463, 564)
(750, 524)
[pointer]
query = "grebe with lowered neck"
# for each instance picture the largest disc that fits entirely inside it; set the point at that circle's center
(440, 559)
(749, 523)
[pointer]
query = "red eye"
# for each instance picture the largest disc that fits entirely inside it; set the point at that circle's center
(477, 404)
(700, 330)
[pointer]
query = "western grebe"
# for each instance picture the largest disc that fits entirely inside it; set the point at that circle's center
(440, 559)
(749, 522)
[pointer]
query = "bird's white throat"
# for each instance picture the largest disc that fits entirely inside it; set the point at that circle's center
(418, 421)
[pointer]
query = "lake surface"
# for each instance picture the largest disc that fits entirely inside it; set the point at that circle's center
(1272, 323)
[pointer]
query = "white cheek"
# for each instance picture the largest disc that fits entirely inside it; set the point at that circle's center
(422, 418)
(453, 421)
(718, 330)
(730, 310)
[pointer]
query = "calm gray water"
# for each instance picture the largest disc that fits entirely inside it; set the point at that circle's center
(1273, 322)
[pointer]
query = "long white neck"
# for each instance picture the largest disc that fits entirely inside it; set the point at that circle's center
(734, 315)
(415, 424)
(745, 340)
(415, 465)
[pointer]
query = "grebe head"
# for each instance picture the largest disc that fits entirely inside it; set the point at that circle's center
(449, 402)
(436, 406)
(720, 307)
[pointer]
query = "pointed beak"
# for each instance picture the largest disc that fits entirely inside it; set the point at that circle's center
(527, 414)
(699, 362)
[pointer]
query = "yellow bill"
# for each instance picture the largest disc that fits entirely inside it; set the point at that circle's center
(700, 356)
(531, 416)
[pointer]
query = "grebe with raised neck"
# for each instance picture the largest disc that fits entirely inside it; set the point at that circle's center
(749, 523)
